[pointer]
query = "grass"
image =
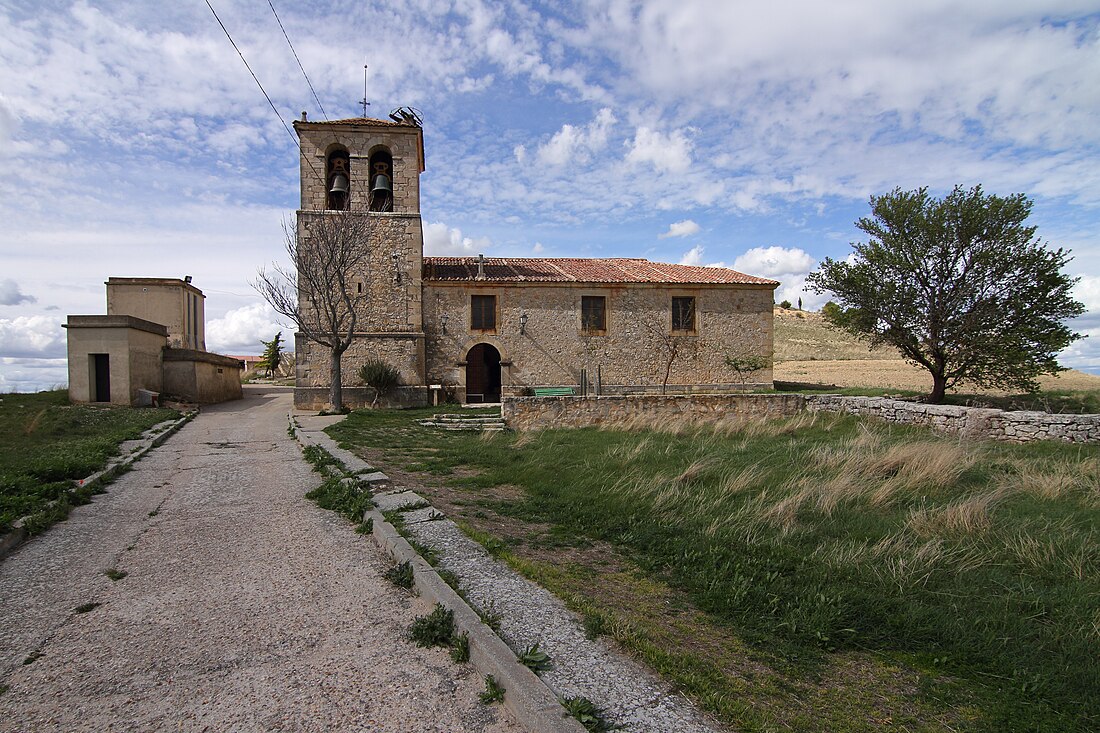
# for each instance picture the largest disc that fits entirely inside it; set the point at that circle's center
(818, 572)
(493, 691)
(435, 629)
(46, 444)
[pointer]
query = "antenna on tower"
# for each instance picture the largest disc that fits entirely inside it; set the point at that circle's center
(364, 101)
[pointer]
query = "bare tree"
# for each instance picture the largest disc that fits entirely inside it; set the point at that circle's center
(320, 297)
(670, 344)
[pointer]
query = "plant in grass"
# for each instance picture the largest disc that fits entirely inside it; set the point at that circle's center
(493, 691)
(115, 574)
(594, 624)
(366, 527)
(460, 647)
(435, 629)
(400, 575)
(535, 659)
(380, 377)
(585, 712)
(342, 497)
(959, 285)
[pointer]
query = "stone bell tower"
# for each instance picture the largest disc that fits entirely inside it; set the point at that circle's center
(367, 171)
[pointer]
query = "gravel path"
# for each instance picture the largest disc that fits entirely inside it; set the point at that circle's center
(244, 606)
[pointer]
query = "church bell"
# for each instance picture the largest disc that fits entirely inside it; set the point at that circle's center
(339, 184)
(381, 184)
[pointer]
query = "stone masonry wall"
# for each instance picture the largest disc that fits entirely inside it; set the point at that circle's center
(1016, 427)
(538, 413)
(554, 349)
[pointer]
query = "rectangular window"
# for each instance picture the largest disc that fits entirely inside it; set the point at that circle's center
(593, 313)
(683, 314)
(483, 312)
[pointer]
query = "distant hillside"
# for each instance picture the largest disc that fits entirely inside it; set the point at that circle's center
(804, 336)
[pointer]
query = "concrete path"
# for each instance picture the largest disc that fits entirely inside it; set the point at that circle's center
(244, 606)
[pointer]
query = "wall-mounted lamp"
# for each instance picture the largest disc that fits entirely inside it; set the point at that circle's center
(443, 318)
(523, 323)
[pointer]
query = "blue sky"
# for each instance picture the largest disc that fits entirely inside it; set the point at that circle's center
(133, 142)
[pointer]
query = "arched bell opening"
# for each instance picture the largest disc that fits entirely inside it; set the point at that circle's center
(338, 180)
(381, 181)
(483, 374)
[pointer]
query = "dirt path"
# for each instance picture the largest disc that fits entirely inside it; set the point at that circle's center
(244, 606)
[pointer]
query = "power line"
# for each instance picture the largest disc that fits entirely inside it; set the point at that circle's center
(311, 89)
(274, 109)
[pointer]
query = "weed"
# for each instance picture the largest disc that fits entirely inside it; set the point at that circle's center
(460, 647)
(365, 527)
(585, 712)
(490, 616)
(535, 659)
(86, 607)
(4, 689)
(400, 575)
(449, 578)
(154, 513)
(33, 657)
(434, 516)
(343, 498)
(115, 574)
(493, 691)
(594, 624)
(435, 629)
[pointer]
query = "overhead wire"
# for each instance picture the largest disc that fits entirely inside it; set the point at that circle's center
(274, 109)
(303, 68)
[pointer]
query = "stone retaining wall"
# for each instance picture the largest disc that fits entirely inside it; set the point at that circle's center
(537, 413)
(1016, 427)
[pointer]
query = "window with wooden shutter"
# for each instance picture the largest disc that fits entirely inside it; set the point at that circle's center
(483, 312)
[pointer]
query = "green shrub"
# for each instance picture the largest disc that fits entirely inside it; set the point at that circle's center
(379, 376)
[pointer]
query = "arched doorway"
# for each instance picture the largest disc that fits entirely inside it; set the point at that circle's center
(483, 374)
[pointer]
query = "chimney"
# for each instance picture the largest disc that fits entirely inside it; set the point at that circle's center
(481, 267)
(303, 115)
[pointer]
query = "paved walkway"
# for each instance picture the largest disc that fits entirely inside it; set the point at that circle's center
(244, 606)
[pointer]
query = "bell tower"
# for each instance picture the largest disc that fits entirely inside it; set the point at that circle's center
(368, 171)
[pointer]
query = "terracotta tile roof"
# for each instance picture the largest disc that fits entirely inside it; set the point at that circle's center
(582, 270)
(363, 121)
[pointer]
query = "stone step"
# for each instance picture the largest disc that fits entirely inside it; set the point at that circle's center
(497, 426)
(452, 417)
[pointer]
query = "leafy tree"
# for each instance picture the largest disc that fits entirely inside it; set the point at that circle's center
(744, 364)
(959, 285)
(785, 305)
(273, 354)
(379, 376)
(831, 311)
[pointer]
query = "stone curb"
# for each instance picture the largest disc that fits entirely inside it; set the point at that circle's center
(533, 704)
(17, 535)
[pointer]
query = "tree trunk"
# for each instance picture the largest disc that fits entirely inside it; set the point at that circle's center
(939, 388)
(336, 389)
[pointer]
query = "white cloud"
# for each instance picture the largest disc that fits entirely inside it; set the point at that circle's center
(241, 330)
(789, 266)
(32, 375)
(693, 256)
(669, 153)
(11, 295)
(32, 337)
(443, 241)
(574, 145)
(683, 228)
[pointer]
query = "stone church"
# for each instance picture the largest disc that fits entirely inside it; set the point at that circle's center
(478, 329)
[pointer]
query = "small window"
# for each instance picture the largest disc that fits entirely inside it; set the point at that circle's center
(683, 314)
(593, 313)
(483, 312)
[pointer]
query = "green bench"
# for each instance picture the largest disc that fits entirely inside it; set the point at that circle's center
(554, 392)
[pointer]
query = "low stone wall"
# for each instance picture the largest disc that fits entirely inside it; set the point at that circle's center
(200, 376)
(973, 422)
(316, 398)
(537, 413)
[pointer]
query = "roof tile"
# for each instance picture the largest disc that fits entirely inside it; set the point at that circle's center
(582, 270)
